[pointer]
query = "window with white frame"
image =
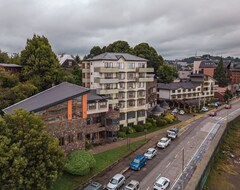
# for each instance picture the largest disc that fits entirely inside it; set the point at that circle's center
(108, 64)
(121, 65)
(131, 85)
(122, 85)
(131, 65)
(141, 85)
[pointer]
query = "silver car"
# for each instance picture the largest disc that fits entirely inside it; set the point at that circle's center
(117, 181)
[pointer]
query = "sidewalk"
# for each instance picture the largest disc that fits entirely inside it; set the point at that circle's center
(160, 133)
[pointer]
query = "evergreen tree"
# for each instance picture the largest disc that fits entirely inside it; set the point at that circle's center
(220, 74)
(40, 64)
(29, 157)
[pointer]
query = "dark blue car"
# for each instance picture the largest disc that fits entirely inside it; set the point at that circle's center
(138, 162)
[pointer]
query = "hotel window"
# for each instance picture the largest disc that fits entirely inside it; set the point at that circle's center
(79, 136)
(121, 76)
(131, 103)
(108, 64)
(61, 141)
(102, 104)
(141, 113)
(109, 86)
(131, 75)
(70, 138)
(141, 75)
(131, 85)
(131, 94)
(96, 119)
(141, 102)
(108, 75)
(141, 65)
(121, 65)
(122, 116)
(131, 115)
(121, 104)
(91, 106)
(88, 121)
(131, 65)
(141, 85)
(122, 85)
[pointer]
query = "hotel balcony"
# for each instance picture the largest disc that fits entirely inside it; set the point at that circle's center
(85, 79)
(106, 80)
(107, 91)
(106, 69)
(145, 70)
(145, 79)
(86, 70)
(113, 101)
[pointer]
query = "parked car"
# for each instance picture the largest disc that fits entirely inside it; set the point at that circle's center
(161, 183)
(204, 109)
(117, 181)
(133, 185)
(164, 142)
(215, 104)
(173, 133)
(228, 106)
(94, 186)
(175, 110)
(151, 152)
(138, 162)
(212, 114)
(181, 112)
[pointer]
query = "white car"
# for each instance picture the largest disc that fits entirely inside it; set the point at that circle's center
(181, 112)
(133, 185)
(164, 142)
(161, 183)
(117, 181)
(204, 109)
(175, 110)
(151, 152)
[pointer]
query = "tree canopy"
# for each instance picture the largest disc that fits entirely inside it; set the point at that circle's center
(39, 63)
(220, 74)
(143, 50)
(29, 157)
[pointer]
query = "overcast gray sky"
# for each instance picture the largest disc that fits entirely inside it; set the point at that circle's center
(175, 28)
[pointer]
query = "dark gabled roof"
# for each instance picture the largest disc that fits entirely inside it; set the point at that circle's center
(92, 96)
(177, 85)
(116, 56)
(207, 64)
(49, 97)
(157, 109)
(10, 65)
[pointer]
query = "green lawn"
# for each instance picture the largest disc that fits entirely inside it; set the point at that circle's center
(104, 159)
(138, 134)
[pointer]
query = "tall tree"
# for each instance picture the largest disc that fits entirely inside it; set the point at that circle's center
(3, 57)
(119, 47)
(166, 73)
(29, 157)
(145, 51)
(227, 95)
(78, 59)
(96, 50)
(39, 63)
(220, 74)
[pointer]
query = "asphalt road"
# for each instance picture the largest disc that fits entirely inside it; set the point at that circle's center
(170, 162)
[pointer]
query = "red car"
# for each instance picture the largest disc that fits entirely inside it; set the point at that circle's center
(228, 106)
(212, 114)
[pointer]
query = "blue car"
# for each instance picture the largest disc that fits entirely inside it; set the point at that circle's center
(138, 162)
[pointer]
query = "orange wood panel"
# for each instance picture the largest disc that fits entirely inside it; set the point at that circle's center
(69, 109)
(84, 106)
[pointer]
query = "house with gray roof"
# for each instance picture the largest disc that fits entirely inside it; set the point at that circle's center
(11, 67)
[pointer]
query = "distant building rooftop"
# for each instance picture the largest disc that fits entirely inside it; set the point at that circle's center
(177, 85)
(10, 65)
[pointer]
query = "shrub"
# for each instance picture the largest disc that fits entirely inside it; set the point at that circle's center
(169, 118)
(124, 129)
(130, 130)
(122, 134)
(79, 163)
(88, 145)
(161, 122)
(147, 125)
(139, 128)
(149, 119)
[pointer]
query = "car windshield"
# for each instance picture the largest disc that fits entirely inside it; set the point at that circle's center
(158, 184)
(136, 161)
(113, 181)
(149, 152)
(163, 140)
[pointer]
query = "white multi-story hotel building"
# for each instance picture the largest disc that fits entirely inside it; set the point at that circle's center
(122, 78)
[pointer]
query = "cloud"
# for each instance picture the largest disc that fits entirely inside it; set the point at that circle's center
(176, 29)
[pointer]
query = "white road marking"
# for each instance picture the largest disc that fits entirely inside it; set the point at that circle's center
(176, 156)
(148, 188)
(168, 164)
(158, 176)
